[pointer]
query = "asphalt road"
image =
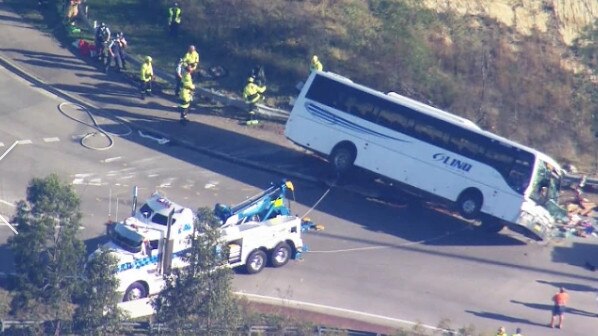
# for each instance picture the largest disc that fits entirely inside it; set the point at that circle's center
(405, 263)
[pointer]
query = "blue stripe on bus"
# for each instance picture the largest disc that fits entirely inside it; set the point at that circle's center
(328, 116)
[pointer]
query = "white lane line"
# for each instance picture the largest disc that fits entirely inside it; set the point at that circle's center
(52, 139)
(112, 159)
(7, 203)
(8, 224)
(342, 312)
(8, 150)
(24, 142)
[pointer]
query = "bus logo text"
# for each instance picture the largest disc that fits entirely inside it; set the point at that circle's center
(452, 162)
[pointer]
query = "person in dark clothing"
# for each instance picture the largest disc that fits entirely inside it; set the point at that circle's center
(102, 38)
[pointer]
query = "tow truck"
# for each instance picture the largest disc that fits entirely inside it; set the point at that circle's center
(156, 237)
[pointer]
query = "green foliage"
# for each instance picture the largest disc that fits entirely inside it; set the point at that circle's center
(48, 255)
(98, 313)
(199, 296)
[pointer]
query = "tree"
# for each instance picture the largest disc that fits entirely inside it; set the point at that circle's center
(98, 312)
(48, 256)
(199, 297)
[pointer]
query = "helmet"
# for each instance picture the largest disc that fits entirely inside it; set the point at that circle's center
(314, 58)
(102, 24)
(250, 80)
(148, 59)
(176, 4)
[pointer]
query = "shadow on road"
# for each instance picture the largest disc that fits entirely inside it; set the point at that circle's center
(504, 318)
(569, 286)
(578, 254)
(548, 308)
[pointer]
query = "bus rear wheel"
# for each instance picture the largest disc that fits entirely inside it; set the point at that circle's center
(469, 203)
(342, 158)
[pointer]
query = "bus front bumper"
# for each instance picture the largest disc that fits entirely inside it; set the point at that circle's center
(539, 226)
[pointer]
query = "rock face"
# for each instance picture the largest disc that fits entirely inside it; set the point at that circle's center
(567, 17)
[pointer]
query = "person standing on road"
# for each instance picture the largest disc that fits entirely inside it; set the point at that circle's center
(102, 37)
(252, 94)
(191, 58)
(115, 55)
(147, 75)
(560, 300)
(122, 42)
(178, 76)
(518, 332)
(186, 95)
(174, 19)
(315, 64)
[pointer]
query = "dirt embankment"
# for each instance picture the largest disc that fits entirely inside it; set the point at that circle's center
(568, 17)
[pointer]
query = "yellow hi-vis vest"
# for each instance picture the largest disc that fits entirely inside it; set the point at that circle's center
(192, 59)
(252, 92)
(147, 72)
(174, 15)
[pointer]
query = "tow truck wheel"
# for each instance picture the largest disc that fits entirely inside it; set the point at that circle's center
(135, 291)
(255, 262)
(280, 255)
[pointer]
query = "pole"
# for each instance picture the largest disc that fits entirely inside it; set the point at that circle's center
(110, 203)
(134, 209)
(167, 258)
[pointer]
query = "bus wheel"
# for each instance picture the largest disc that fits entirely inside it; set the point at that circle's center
(135, 291)
(342, 157)
(255, 262)
(469, 203)
(492, 225)
(280, 255)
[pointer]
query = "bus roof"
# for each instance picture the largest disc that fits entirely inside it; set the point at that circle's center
(437, 113)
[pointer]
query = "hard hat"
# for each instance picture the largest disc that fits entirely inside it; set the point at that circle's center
(250, 79)
(148, 59)
(102, 24)
(176, 4)
(314, 58)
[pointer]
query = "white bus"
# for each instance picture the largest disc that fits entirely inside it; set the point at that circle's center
(486, 176)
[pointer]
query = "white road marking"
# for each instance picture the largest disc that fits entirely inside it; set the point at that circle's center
(52, 139)
(78, 181)
(211, 185)
(112, 159)
(152, 175)
(7, 203)
(25, 142)
(95, 182)
(8, 150)
(8, 224)
(354, 314)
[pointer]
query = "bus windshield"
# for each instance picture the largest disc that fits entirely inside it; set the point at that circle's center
(546, 184)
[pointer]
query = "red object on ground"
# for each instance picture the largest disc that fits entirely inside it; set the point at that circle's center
(85, 48)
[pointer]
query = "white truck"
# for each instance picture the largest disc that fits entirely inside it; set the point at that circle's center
(157, 235)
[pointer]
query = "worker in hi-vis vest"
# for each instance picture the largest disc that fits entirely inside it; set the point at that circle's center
(315, 64)
(186, 95)
(252, 94)
(147, 75)
(174, 19)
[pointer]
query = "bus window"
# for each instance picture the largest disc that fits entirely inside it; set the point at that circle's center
(395, 120)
